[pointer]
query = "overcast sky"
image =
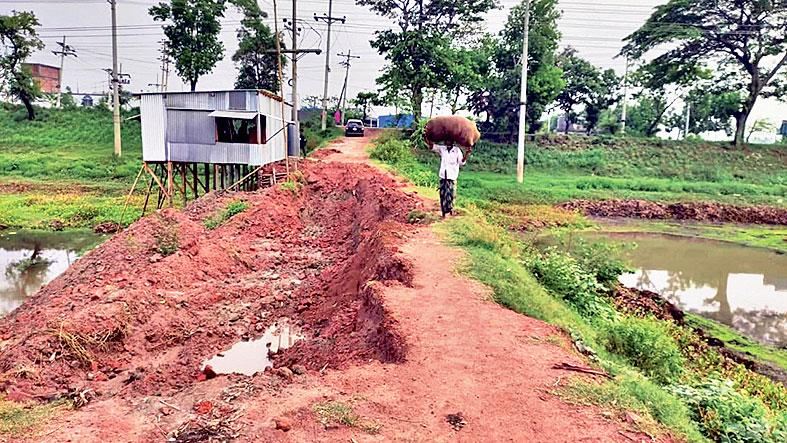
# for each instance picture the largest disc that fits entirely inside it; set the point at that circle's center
(595, 28)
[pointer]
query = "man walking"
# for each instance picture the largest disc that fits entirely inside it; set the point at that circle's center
(451, 159)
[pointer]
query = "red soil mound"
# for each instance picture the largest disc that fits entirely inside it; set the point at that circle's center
(128, 318)
(700, 211)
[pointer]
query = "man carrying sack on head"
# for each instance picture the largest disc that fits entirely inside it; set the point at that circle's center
(442, 134)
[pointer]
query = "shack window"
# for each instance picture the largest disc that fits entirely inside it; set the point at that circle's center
(236, 130)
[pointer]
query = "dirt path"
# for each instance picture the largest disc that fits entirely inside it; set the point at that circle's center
(392, 331)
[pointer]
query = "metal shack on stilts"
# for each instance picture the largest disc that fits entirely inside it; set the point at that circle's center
(202, 141)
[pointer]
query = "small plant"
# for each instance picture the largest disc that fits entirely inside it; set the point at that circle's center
(392, 151)
(729, 416)
(647, 344)
(333, 412)
(292, 186)
(565, 276)
(233, 208)
(167, 241)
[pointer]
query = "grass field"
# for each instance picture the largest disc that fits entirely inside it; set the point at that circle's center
(61, 167)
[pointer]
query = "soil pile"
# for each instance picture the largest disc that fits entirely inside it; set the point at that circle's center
(140, 314)
(699, 211)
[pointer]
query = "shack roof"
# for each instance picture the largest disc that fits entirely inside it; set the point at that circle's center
(264, 92)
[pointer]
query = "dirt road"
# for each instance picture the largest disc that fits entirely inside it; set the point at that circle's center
(395, 340)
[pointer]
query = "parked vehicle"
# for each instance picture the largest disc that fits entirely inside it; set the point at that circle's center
(353, 127)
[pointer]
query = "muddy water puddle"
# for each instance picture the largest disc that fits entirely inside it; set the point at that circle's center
(251, 357)
(742, 287)
(31, 259)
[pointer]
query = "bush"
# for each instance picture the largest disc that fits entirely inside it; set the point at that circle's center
(233, 208)
(729, 416)
(564, 276)
(392, 151)
(602, 259)
(647, 344)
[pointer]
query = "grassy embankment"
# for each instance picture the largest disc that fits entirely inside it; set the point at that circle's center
(663, 372)
(61, 167)
(629, 169)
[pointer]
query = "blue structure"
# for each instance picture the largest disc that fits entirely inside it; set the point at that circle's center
(783, 130)
(396, 121)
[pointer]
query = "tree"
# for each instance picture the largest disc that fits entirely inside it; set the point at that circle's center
(192, 31)
(465, 74)
(364, 100)
(710, 110)
(743, 40)
(18, 35)
(257, 65)
(418, 51)
(604, 93)
(498, 95)
(579, 76)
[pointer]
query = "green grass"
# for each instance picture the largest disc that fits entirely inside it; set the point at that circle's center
(66, 159)
(233, 208)
(17, 420)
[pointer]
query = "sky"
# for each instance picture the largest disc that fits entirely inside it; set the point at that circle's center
(594, 28)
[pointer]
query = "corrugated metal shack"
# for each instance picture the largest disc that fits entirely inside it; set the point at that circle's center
(211, 137)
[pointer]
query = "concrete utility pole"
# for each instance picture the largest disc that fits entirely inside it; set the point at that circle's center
(64, 51)
(115, 81)
(688, 120)
(164, 59)
(520, 152)
(329, 19)
(625, 97)
(346, 64)
(295, 105)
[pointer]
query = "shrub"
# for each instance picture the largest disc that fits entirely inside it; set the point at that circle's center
(392, 151)
(647, 344)
(564, 276)
(729, 416)
(602, 259)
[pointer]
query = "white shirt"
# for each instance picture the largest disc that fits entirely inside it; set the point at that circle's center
(450, 161)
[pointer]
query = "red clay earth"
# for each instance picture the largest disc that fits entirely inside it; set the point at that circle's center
(699, 211)
(390, 329)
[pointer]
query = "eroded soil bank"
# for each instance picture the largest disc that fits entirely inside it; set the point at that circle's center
(698, 211)
(139, 314)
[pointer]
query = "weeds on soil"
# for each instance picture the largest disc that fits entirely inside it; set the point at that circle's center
(234, 208)
(332, 413)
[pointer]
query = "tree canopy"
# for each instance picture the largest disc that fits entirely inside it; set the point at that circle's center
(257, 66)
(498, 96)
(419, 50)
(18, 35)
(192, 30)
(743, 40)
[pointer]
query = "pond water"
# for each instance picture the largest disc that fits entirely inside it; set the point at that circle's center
(743, 287)
(31, 259)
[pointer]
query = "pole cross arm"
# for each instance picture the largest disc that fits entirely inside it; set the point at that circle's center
(293, 51)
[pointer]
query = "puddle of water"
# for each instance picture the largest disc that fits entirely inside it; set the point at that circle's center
(251, 357)
(742, 287)
(31, 259)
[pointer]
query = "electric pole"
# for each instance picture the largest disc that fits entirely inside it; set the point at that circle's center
(64, 51)
(625, 97)
(346, 64)
(295, 105)
(164, 59)
(520, 152)
(115, 81)
(329, 19)
(688, 119)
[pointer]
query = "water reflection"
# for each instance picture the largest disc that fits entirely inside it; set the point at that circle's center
(31, 259)
(742, 287)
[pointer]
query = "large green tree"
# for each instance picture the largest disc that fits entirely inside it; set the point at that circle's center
(587, 89)
(192, 30)
(498, 96)
(744, 41)
(418, 49)
(18, 35)
(255, 57)
(366, 99)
